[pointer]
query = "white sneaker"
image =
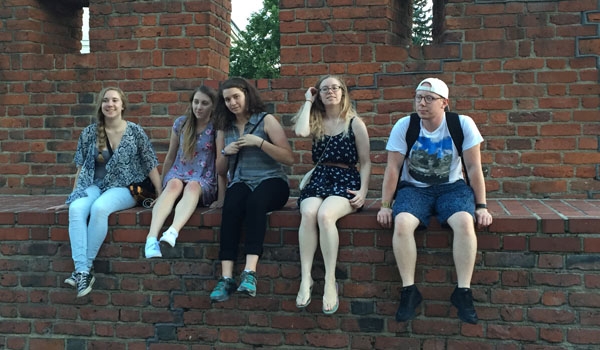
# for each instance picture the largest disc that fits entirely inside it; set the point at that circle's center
(169, 237)
(152, 249)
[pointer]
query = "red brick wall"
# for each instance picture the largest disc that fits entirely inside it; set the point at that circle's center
(527, 72)
(535, 285)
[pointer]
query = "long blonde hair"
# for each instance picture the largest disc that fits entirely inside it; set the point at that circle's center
(189, 126)
(317, 109)
(100, 130)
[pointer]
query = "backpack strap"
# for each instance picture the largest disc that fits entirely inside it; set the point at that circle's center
(412, 133)
(456, 132)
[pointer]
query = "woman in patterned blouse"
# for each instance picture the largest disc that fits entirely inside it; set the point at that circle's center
(111, 154)
(336, 188)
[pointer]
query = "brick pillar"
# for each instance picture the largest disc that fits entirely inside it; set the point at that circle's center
(35, 27)
(184, 39)
(339, 37)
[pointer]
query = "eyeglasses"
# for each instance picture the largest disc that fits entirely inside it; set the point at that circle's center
(325, 89)
(428, 98)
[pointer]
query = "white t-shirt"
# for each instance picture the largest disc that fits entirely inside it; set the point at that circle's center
(433, 158)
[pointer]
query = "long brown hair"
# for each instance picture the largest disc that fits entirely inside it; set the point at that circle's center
(224, 118)
(189, 126)
(100, 130)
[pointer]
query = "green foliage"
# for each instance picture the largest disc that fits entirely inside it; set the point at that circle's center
(422, 22)
(255, 52)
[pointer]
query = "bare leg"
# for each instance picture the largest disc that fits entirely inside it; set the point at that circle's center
(251, 262)
(164, 205)
(307, 241)
(187, 205)
(332, 209)
(227, 268)
(464, 247)
(405, 248)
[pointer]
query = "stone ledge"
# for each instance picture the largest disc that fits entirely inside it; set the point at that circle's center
(551, 216)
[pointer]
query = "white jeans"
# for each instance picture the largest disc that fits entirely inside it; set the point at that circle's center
(87, 236)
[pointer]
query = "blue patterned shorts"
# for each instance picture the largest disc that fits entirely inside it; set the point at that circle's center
(441, 200)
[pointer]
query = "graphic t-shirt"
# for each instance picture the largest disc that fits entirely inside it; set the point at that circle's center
(433, 158)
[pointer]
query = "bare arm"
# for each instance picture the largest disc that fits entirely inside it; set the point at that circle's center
(221, 187)
(280, 148)
(222, 163)
(171, 154)
(388, 189)
(364, 155)
(302, 126)
(472, 159)
(156, 181)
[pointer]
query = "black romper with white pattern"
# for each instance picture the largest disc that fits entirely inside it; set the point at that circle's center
(332, 180)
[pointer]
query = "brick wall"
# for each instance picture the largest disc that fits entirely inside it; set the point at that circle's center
(536, 285)
(526, 71)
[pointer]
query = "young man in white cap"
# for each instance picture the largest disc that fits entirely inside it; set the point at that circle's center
(432, 183)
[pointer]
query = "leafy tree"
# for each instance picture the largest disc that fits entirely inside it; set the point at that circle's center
(422, 23)
(255, 51)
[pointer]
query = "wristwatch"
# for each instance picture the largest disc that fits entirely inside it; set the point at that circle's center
(223, 152)
(480, 206)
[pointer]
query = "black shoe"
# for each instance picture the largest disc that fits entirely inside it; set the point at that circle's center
(84, 284)
(410, 298)
(462, 299)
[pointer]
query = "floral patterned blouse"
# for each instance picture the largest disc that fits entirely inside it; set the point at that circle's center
(132, 160)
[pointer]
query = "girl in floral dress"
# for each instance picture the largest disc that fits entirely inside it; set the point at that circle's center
(188, 172)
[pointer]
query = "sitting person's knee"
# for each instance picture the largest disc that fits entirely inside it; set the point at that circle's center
(405, 224)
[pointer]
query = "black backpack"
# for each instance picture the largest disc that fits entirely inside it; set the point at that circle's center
(456, 133)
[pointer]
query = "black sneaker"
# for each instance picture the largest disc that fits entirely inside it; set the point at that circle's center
(410, 298)
(84, 284)
(72, 280)
(462, 299)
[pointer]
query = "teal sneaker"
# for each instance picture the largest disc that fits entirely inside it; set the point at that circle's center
(224, 288)
(248, 283)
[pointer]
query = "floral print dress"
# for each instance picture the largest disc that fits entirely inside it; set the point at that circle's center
(201, 168)
(329, 180)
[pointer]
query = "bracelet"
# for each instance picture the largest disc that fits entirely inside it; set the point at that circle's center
(480, 206)
(263, 141)
(386, 205)
(309, 101)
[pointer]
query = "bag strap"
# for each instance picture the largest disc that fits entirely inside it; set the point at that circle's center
(412, 133)
(110, 150)
(458, 136)
(237, 156)
(327, 145)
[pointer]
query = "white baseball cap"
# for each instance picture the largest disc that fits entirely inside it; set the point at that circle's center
(437, 87)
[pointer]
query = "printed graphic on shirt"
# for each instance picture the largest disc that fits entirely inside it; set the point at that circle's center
(430, 160)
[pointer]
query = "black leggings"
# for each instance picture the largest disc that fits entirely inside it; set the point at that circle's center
(242, 204)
